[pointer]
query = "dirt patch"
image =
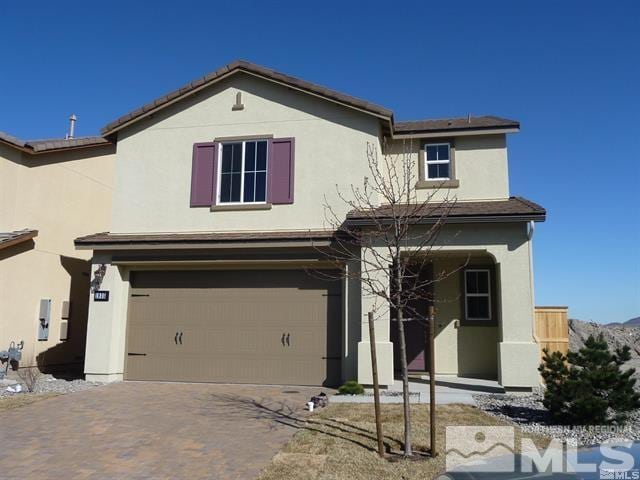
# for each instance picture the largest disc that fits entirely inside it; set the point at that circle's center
(19, 400)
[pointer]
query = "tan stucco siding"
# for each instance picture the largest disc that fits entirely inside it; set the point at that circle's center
(514, 356)
(63, 196)
(9, 173)
(461, 350)
(480, 166)
(154, 158)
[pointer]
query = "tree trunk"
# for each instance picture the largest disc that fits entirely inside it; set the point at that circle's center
(408, 451)
(376, 385)
(432, 380)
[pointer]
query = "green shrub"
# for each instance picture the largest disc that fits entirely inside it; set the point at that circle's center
(588, 387)
(351, 388)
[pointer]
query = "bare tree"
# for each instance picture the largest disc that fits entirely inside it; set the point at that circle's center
(391, 232)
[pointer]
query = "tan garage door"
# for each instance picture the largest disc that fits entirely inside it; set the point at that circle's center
(243, 326)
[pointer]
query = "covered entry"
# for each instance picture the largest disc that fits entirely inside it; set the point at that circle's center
(235, 326)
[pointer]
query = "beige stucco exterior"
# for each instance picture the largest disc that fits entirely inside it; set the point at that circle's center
(507, 352)
(152, 190)
(62, 195)
(154, 158)
(480, 166)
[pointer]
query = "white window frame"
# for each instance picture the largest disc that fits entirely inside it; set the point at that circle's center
(242, 173)
(485, 295)
(436, 162)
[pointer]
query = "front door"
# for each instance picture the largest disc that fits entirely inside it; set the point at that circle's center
(415, 326)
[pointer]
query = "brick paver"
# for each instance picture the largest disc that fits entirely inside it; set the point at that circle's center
(141, 430)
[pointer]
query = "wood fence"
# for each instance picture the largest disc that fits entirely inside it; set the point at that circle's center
(552, 328)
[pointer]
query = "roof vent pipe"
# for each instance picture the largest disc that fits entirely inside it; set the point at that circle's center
(469, 118)
(72, 126)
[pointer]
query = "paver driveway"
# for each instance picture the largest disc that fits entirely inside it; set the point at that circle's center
(140, 430)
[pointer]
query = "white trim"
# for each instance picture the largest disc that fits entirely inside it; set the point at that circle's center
(242, 171)
(428, 162)
(477, 295)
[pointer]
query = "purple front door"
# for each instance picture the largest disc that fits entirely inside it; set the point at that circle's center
(415, 330)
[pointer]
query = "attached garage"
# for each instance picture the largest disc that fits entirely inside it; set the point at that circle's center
(236, 326)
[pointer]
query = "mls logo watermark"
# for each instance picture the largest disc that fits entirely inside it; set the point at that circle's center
(485, 449)
(476, 446)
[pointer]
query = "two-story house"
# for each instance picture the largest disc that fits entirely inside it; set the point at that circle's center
(51, 191)
(218, 217)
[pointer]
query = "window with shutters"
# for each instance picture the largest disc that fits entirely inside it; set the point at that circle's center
(243, 172)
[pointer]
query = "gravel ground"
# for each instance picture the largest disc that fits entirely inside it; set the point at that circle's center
(528, 412)
(50, 384)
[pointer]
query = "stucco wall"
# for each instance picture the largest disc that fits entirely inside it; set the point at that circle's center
(154, 157)
(63, 196)
(514, 352)
(481, 166)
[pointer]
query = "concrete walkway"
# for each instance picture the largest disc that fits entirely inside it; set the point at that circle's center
(140, 430)
(449, 389)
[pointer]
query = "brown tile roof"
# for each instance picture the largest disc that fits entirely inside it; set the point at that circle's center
(62, 143)
(52, 144)
(513, 208)
(11, 140)
(243, 66)
(486, 122)
(7, 239)
(107, 238)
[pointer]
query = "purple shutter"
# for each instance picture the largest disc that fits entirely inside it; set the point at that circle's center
(203, 175)
(280, 170)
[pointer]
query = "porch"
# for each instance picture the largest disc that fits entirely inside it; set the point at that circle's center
(483, 302)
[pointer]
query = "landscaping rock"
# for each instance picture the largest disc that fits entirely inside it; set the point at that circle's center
(527, 412)
(50, 384)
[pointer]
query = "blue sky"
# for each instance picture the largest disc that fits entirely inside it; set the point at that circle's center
(569, 71)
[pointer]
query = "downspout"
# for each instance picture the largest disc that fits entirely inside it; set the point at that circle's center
(531, 228)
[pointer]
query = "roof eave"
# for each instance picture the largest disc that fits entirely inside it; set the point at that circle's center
(455, 132)
(361, 222)
(19, 239)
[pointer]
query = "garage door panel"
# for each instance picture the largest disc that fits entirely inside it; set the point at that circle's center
(234, 327)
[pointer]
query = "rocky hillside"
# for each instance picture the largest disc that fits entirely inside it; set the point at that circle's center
(616, 336)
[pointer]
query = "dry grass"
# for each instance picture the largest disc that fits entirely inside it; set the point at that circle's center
(339, 443)
(15, 401)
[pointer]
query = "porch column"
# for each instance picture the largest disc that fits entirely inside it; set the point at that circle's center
(518, 353)
(384, 346)
(106, 328)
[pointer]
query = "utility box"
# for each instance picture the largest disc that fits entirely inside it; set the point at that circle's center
(66, 310)
(64, 330)
(44, 319)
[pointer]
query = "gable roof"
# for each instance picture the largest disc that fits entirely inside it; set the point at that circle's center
(253, 69)
(52, 144)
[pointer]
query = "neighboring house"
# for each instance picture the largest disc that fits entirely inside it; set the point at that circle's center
(51, 191)
(218, 216)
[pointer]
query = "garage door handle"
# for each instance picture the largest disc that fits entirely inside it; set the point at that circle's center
(283, 339)
(175, 339)
(137, 354)
(288, 335)
(180, 338)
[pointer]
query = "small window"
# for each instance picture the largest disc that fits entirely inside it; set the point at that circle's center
(477, 294)
(243, 172)
(438, 160)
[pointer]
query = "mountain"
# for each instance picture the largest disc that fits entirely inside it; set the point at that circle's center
(634, 322)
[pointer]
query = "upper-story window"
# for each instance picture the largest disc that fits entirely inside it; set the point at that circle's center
(438, 158)
(243, 172)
